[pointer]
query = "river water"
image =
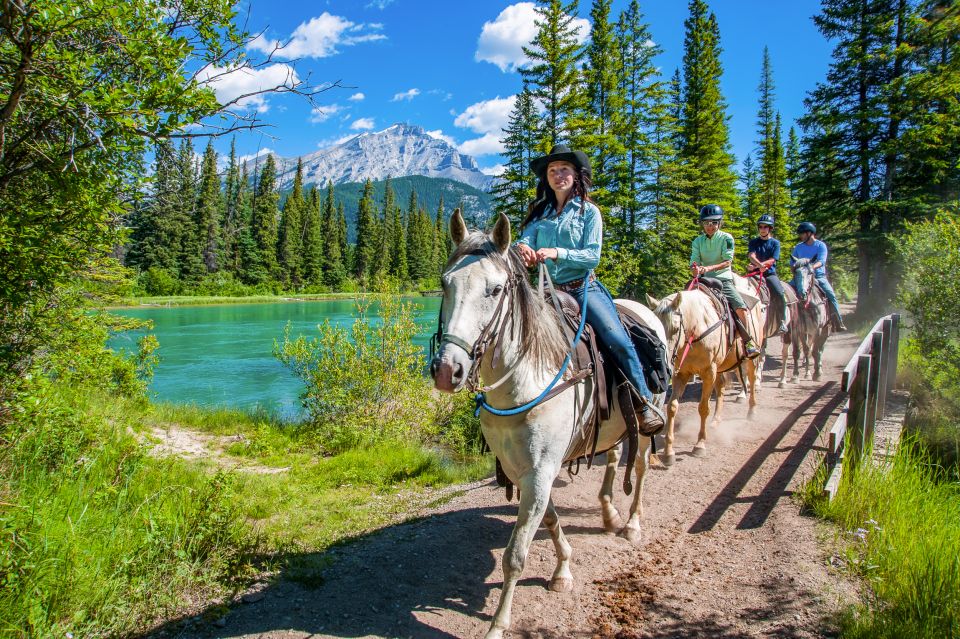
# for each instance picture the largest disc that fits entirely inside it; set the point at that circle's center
(223, 355)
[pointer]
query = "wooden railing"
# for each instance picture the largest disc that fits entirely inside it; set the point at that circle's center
(868, 378)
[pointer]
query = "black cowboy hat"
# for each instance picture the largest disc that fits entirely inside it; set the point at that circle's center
(560, 153)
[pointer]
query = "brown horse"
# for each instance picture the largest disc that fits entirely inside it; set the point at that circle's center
(771, 326)
(811, 327)
(698, 338)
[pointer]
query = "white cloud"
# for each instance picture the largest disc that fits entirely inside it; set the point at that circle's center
(230, 84)
(440, 135)
(356, 97)
(362, 124)
(319, 37)
(379, 4)
(489, 144)
(501, 42)
(260, 153)
(323, 113)
(496, 169)
(406, 95)
(263, 45)
(489, 116)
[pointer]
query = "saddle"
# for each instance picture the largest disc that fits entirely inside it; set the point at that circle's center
(776, 313)
(713, 288)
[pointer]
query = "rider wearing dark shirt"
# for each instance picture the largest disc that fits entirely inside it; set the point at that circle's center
(764, 252)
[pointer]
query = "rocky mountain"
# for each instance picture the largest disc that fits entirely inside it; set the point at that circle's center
(398, 151)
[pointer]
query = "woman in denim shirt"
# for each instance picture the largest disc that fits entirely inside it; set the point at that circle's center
(564, 230)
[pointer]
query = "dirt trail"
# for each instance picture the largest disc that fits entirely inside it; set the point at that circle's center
(725, 552)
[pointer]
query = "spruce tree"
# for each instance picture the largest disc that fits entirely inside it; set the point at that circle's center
(345, 252)
(263, 225)
(313, 240)
(155, 236)
(516, 187)
(290, 233)
(554, 76)
(209, 211)
(333, 267)
(366, 244)
(771, 179)
(705, 145)
(231, 226)
(190, 237)
(441, 241)
(383, 259)
(399, 267)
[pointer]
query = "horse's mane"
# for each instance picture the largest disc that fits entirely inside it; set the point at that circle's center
(541, 335)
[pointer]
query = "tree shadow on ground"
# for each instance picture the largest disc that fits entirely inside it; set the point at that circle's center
(386, 583)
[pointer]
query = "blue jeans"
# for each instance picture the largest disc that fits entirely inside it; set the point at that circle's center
(613, 337)
(827, 291)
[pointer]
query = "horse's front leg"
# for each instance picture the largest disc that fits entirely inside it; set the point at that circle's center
(709, 377)
(753, 377)
(562, 580)
(632, 530)
(784, 363)
(680, 381)
(612, 522)
(720, 385)
(796, 358)
(534, 500)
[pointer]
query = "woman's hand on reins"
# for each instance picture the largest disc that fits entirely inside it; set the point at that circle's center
(527, 254)
(545, 254)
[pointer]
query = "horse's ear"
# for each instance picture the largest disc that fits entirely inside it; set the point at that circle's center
(501, 233)
(458, 228)
(676, 302)
(652, 302)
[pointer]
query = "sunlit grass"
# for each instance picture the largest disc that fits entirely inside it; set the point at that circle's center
(901, 528)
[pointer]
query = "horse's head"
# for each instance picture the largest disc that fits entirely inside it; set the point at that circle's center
(804, 275)
(668, 311)
(480, 277)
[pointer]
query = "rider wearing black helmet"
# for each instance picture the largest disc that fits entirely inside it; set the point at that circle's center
(812, 251)
(764, 252)
(711, 256)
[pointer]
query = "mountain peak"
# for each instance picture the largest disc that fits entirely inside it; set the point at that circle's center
(400, 150)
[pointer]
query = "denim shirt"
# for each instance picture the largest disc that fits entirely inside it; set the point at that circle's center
(577, 238)
(816, 252)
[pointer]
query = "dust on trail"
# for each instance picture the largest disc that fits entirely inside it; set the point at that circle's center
(726, 552)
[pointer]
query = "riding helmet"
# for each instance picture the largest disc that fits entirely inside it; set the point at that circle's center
(766, 218)
(806, 227)
(711, 212)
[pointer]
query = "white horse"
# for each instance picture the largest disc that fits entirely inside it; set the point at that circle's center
(810, 328)
(488, 301)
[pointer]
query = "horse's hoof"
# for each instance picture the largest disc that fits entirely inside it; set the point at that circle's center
(741, 397)
(668, 459)
(561, 584)
(699, 451)
(494, 633)
(782, 385)
(613, 524)
(816, 377)
(632, 535)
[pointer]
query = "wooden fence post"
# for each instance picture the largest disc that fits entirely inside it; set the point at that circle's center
(894, 351)
(856, 415)
(874, 394)
(883, 388)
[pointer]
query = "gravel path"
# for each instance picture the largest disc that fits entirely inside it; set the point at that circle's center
(726, 552)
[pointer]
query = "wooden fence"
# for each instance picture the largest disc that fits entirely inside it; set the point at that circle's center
(868, 378)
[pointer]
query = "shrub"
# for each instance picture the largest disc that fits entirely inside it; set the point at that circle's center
(365, 384)
(159, 281)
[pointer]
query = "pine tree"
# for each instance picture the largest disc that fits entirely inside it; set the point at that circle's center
(290, 233)
(230, 232)
(209, 211)
(366, 234)
(792, 164)
(771, 179)
(190, 259)
(383, 258)
(596, 124)
(705, 146)
(263, 225)
(345, 253)
(249, 269)
(419, 241)
(313, 239)
(441, 241)
(553, 77)
(333, 267)
(516, 187)
(155, 237)
(399, 267)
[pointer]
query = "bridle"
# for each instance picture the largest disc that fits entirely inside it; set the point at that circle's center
(492, 330)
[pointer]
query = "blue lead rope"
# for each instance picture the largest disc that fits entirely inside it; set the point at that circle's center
(481, 399)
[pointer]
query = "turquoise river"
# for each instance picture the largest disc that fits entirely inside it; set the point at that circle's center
(223, 355)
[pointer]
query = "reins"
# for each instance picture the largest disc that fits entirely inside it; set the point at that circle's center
(691, 340)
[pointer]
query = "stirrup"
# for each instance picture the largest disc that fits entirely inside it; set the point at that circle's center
(650, 418)
(750, 350)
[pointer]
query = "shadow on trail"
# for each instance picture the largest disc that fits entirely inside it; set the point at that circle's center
(762, 505)
(387, 583)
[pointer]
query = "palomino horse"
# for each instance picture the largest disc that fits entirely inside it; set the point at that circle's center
(487, 300)
(811, 328)
(697, 337)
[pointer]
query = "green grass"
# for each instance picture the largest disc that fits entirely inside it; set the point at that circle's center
(901, 527)
(100, 538)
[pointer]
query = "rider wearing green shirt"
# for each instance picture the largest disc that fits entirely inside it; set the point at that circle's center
(711, 256)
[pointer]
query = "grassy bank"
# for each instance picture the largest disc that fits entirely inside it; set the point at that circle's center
(900, 524)
(101, 537)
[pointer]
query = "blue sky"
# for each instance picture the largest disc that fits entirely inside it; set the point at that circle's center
(450, 67)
